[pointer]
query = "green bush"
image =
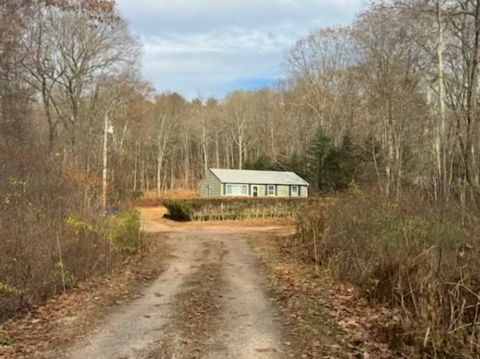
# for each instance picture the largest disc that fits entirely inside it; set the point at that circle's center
(180, 209)
(5, 339)
(125, 231)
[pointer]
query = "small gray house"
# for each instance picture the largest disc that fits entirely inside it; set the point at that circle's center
(222, 182)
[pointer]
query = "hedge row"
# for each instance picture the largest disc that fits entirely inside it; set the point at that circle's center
(235, 208)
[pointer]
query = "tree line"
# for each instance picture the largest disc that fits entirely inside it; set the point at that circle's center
(390, 101)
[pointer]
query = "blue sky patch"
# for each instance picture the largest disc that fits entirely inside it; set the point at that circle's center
(212, 47)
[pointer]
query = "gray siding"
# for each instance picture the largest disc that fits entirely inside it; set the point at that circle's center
(283, 191)
(262, 190)
(303, 191)
(210, 186)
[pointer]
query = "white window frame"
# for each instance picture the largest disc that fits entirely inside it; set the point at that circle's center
(297, 192)
(229, 192)
(269, 187)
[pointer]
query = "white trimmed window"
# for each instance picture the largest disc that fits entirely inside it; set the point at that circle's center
(271, 190)
(294, 191)
(236, 190)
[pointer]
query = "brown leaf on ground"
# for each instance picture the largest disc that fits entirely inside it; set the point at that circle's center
(63, 318)
(328, 318)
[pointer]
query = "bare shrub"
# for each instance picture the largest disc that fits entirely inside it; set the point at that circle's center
(312, 229)
(50, 242)
(411, 254)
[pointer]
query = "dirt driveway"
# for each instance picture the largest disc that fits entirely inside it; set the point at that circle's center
(212, 301)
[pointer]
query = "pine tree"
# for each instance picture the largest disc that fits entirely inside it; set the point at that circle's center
(348, 158)
(318, 158)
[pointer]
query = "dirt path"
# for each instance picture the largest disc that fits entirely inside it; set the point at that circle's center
(210, 302)
(249, 329)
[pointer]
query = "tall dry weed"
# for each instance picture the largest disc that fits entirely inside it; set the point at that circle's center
(418, 256)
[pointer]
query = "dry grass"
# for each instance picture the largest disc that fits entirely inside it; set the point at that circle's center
(416, 256)
(152, 213)
(66, 317)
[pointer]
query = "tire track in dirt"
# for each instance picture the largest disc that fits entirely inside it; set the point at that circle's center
(196, 309)
(223, 311)
(211, 302)
(128, 332)
(250, 328)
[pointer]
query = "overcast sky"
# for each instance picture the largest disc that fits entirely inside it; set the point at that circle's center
(212, 47)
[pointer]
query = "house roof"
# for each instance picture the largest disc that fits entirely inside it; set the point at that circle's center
(258, 177)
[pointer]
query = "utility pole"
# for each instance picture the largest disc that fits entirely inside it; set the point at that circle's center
(106, 130)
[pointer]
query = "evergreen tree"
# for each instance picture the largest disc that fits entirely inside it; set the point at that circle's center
(348, 157)
(318, 158)
(325, 166)
(333, 167)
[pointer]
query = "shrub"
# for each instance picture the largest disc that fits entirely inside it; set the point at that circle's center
(204, 209)
(5, 339)
(125, 231)
(419, 257)
(180, 209)
(51, 242)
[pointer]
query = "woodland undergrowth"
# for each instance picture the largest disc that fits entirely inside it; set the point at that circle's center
(50, 242)
(417, 257)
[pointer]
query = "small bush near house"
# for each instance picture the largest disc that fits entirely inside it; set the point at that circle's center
(180, 209)
(416, 256)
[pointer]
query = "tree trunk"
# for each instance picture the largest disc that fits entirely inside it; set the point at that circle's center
(217, 153)
(440, 145)
(135, 165)
(205, 149)
(240, 151)
(159, 169)
(105, 163)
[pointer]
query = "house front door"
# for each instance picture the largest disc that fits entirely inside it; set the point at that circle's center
(255, 191)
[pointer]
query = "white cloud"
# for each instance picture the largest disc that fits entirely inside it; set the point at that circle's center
(211, 47)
